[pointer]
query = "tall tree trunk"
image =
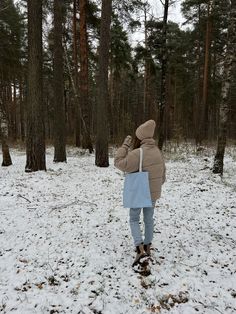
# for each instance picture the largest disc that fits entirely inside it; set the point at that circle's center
(14, 112)
(59, 107)
(203, 125)
(163, 78)
(102, 159)
(230, 61)
(35, 143)
(145, 67)
(75, 60)
(6, 158)
(10, 109)
(212, 107)
(111, 100)
(84, 84)
(22, 111)
(197, 103)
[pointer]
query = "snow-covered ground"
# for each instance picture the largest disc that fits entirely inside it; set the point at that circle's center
(65, 244)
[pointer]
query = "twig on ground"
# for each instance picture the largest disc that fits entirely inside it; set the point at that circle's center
(191, 266)
(78, 202)
(210, 306)
(19, 195)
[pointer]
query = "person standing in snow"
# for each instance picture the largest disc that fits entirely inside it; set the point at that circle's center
(128, 161)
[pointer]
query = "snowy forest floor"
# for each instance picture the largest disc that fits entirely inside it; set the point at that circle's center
(65, 243)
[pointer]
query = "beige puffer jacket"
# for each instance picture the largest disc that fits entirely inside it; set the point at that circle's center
(153, 162)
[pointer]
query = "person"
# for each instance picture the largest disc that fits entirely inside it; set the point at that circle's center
(127, 160)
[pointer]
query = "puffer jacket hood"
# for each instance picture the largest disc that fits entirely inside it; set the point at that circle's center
(146, 130)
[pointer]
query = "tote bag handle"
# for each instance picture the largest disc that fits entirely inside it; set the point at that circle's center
(140, 159)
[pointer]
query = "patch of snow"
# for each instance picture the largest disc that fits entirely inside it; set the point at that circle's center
(65, 243)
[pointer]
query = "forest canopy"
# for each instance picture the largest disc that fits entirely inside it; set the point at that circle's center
(94, 84)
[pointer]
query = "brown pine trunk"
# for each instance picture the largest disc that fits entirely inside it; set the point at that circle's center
(10, 109)
(102, 159)
(35, 143)
(197, 113)
(230, 60)
(22, 111)
(6, 158)
(59, 107)
(145, 68)
(111, 101)
(162, 104)
(83, 83)
(75, 60)
(14, 112)
(203, 125)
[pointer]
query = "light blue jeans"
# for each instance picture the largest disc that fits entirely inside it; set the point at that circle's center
(134, 218)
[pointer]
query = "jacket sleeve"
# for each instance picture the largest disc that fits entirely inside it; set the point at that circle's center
(127, 161)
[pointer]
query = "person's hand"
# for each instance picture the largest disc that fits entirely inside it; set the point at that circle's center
(128, 141)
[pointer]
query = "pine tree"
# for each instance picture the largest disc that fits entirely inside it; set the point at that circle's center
(11, 33)
(204, 104)
(229, 65)
(119, 69)
(35, 141)
(102, 159)
(3, 136)
(59, 108)
(162, 104)
(75, 62)
(84, 79)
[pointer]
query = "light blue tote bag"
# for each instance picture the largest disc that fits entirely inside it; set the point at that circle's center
(136, 193)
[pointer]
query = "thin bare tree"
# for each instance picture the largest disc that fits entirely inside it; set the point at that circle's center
(58, 81)
(84, 81)
(162, 103)
(6, 157)
(75, 61)
(229, 65)
(102, 159)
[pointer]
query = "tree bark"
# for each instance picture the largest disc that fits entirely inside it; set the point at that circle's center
(58, 80)
(230, 61)
(75, 60)
(163, 78)
(197, 114)
(83, 83)
(102, 159)
(111, 84)
(203, 125)
(35, 143)
(6, 158)
(14, 113)
(22, 111)
(145, 115)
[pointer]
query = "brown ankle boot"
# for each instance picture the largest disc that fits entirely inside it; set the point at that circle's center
(140, 254)
(147, 248)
